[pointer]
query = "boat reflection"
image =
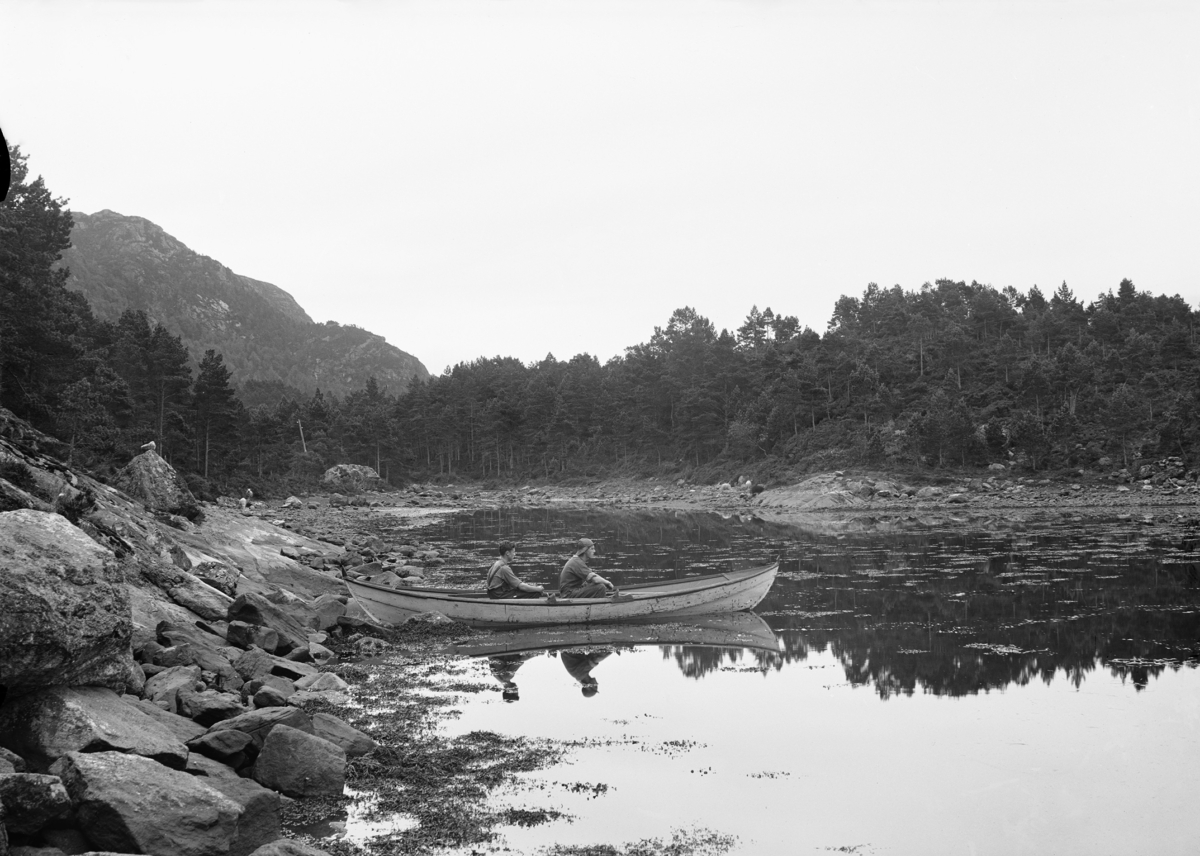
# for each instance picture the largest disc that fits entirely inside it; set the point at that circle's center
(730, 630)
(581, 648)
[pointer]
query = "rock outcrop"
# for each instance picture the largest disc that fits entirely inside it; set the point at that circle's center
(65, 617)
(156, 483)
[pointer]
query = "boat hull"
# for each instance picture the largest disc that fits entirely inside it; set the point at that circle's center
(732, 591)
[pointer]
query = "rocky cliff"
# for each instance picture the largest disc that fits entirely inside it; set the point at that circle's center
(119, 262)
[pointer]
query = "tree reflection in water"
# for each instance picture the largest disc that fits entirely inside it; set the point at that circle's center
(949, 605)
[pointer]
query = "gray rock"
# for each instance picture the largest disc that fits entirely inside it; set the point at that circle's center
(13, 759)
(186, 589)
(49, 724)
(320, 697)
(255, 609)
(300, 764)
(205, 767)
(270, 697)
(180, 727)
(30, 800)
(259, 723)
(66, 616)
(153, 481)
(257, 665)
(204, 647)
(320, 654)
(245, 635)
(351, 478)
(164, 686)
(329, 608)
(129, 804)
(219, 575)
(322, 682)
(259, 822)
(287, 847)
(343, 735)
(275, 682)
(228, 746)
(209, 706)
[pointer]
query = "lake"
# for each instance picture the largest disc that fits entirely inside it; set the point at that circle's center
(936, 684)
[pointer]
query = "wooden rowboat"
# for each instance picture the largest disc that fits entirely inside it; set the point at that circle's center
(731, 591)
(721, 630)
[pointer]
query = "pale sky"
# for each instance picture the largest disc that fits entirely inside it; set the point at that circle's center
(520, 178)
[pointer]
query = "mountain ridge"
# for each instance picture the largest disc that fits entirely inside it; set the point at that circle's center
(121, 262)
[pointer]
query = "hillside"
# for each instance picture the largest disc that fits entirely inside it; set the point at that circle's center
(119, 262)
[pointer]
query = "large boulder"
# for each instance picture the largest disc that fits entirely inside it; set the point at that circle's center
(47, 725)
(127, 804)
(152, 480)
(351, 478)
(299, 764)
(65, 617)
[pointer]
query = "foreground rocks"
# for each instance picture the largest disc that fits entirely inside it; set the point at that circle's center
(138, 704)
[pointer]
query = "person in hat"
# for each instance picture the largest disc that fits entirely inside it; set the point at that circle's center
(577, 579)
(503, 583)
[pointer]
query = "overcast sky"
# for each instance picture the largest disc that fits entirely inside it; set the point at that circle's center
(520, 178)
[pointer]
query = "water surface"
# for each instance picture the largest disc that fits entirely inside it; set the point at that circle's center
(935, 685)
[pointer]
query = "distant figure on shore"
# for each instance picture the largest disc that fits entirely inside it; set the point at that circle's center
(502, 582)
(247, 500)
(579, 665)
(149, 447)
(577, 579)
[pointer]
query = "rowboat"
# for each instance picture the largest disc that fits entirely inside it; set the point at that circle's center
(730, 591)
(722, 630)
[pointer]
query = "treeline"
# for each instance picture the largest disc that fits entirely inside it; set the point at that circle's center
(950, 375)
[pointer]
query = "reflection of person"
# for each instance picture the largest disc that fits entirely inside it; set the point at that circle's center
(502, 582)
(577, 579)
(504, 669)
(579, 665)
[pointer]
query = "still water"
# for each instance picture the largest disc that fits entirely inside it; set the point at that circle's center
(916, 685)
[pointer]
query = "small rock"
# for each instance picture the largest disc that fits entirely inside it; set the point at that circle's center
(30, 800)
(228, 746)
(351, 741)
(322, 682)
(245, 635)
